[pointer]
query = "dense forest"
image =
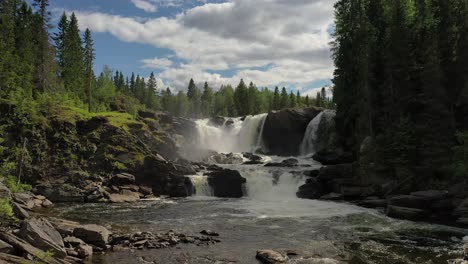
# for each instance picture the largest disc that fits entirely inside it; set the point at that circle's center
(39, 68)
(402, 78)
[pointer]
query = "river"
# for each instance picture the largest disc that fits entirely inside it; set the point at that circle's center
(270, 216)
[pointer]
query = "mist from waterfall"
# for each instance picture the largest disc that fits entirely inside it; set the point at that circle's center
(236, 136)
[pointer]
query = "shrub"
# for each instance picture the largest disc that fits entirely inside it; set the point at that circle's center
(5, 208)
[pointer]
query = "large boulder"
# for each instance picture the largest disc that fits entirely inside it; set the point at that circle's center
(230, 158)
(332, 156)
(41, 234)
(93, 234)
(60, 193)
(409, 201)
(312, 189)
(226, 183)
(217, 121)
(122, 179)
(407, 213)
(284, 130)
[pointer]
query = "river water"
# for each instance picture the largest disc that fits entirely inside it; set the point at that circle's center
(270, 216)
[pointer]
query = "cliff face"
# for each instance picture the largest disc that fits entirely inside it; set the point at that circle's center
(70, 148)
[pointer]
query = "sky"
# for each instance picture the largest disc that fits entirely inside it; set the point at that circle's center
(268, 42)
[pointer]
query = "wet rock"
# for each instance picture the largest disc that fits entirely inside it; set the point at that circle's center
(41, 234)
(332, 197)
(84, 251)
(209, 233)
(6, 248)
(46, 203)
(291, 162)
(226, 183)
(406, 213)
(409, 201)
(217, 121)
(431, 195)
(373, 203)
(73, 241)
(122, 179)
(312, 189)
(311, 173)
(333, 156)
(93, 234)
(336, 172)
(351, 192)
(284, 130)
(270, 257)
(230, 158)
(146, 190)
(64, 227)
(25, 199)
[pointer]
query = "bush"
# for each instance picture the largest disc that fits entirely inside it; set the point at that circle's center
(5, 208)
(15, 187)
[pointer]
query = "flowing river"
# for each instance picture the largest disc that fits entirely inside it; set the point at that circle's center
(270, 216)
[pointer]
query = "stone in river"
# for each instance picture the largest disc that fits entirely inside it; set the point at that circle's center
(267, 256)
(209, 233)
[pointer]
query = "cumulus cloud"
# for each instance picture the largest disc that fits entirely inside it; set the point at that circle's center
(157, 63)
(239, 36)
(145, 5)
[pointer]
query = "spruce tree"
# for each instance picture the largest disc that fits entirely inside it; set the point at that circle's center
(89, 57)
(74, 70)
(284, 101)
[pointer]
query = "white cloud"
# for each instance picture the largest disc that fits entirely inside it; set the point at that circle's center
(145, 5)
(157, 63)
(241, 36)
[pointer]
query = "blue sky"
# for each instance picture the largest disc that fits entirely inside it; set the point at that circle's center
(269, 42)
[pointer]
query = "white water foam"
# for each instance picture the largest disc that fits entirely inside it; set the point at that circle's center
(310, 140)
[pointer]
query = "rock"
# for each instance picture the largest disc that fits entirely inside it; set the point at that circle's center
(46, 203)
(41, 234)
(209, 233)
(93, 234)
(333, 156)
(409, 201)
(350, 192)
(226, 183)
(312, 189)
(64, 227)
(6, 248)
(73, 241)
(270, 257)
(406, 213)
(284, 130)
(84, 251)
(60, 193)
(373, 203)
(72, 252)
(217, 121)
(122, 179)
(311, 173)
(431, 195)
(336, 172)
(19, 211)
(123, 197)
(230, 158)
(291, 162)
(25, 199)
(146, 190)
(332, 197)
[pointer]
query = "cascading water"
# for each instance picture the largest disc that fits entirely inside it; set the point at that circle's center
(312, 139)
(240, 136)
(200, 185)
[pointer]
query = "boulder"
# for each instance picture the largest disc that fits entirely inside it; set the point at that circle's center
(60, 193)
(311, 173)
(406, 213)
(93, 234)
(84, 251)
(333, 172)
(41, 234)
(230, 158)
(332, 197)
(19, 211)
(351, 192)
(26, 199)
(431, 195)
(291, 162)
(124, 197)
(284, 130)
(333, 156)
(6, 248)
(312, 189)
(217, 121)
(409, 201)
(226, 183)
(373, 203)
(267, 256)
(122, 179)
(73, 241)
(64, 227)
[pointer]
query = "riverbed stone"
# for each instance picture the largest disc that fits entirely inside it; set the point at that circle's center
(73, 241)
(373, 203)
(409, 201)
(6, 248)
(406, 213)
(84, 251)
(267, 256)
(19, 211)
(431, 195)
(312, 189)
(93, 234)
(122, 179)
(41, 234)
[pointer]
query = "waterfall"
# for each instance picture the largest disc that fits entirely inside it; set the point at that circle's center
(200, 185)
(312, 140)
(240, 136)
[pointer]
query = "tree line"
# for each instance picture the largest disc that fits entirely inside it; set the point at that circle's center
(402, 78)
(35, 64)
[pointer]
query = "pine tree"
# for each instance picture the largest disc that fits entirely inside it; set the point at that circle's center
(8, 59)
(74, 70)
(59, 39)
(207, 100)
(276, 99)
(89, 57)
(25, 48)
(241, 98)
(151, 99)
(292, 100)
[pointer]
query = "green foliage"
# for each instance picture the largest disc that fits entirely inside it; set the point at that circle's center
(6, 210)
(15, 187)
